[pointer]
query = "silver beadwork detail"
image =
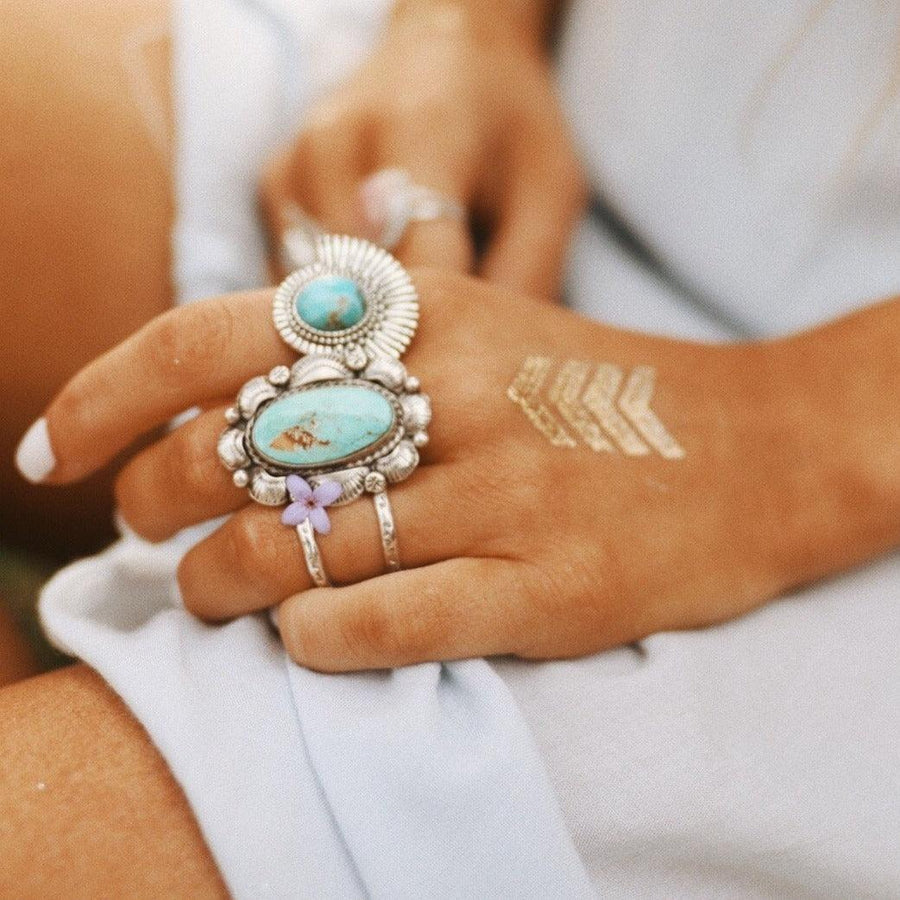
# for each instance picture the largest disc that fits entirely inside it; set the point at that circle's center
(400, 463)
(375, 483)
(231, 449)
(253, 393)
(389, 372)
(280, 376)
(311, 554)
(266, 488)
(310, 369)
(416, 412)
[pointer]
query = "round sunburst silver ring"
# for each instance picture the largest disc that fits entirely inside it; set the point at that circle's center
(354, 302)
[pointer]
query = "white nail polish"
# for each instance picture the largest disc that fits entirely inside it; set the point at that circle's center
(34, 455)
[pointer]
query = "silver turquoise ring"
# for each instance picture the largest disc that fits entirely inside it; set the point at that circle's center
(346, 418)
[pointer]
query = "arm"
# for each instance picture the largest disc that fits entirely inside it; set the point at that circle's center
(839, 387)
(84, 792)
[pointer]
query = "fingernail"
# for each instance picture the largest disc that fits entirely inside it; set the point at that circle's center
(273, 616)
(34, 455)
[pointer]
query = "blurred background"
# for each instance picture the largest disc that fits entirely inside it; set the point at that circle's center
(67, 187)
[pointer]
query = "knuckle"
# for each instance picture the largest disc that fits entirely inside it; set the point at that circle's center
(132, 499)
(441, 290)
(251, 547)
(305, 642)
(373, 632)
(329, 119)
(196, 470)
(324, 135)
(186, 340)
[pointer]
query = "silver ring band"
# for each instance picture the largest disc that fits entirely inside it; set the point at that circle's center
(421, 205)
(311, 554)
(387, 530)
(395, 201)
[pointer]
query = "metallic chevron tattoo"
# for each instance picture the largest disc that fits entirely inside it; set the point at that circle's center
(525, 390)
(606, 414)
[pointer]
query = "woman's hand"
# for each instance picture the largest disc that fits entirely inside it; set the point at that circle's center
(469, 112)
(583, 487)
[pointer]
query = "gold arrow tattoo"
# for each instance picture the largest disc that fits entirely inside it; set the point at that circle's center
(605, 415)
(600, 399)
(565, 393)
(525, 391)
(635, 403)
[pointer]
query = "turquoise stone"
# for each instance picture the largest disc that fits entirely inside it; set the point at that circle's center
(320, 425)
(331, 303)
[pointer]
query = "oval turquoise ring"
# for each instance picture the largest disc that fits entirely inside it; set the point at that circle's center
(321, 420)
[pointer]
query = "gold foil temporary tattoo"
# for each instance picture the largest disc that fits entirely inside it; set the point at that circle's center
(600, 399)
(565, 394)
(608, 411)
(635, 404)
(525, 390)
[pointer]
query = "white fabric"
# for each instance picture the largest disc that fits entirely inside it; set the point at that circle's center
(754, 147)
(759, 758)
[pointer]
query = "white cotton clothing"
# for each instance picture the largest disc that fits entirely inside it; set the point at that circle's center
(758, 758)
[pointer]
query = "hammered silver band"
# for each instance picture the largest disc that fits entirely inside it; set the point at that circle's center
(387, 530)
(311, 554)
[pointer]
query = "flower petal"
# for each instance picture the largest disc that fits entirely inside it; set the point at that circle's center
(319, 520)
(295, 514)
(298, 487)
(326, 492)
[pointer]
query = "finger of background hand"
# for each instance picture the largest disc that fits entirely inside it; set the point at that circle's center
(325, 167)
(184, 357)
(450, 610)
(436, 161)
(538, 213)
(178, 481)
(254, 561)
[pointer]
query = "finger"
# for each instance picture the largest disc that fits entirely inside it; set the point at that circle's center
(184, 357)
(450, 610)
(538, 213)
(254, 561)
(282, 210)
(325, 167)
(178, 481)
(442, 164)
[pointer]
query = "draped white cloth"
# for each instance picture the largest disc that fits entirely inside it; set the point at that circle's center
(759, 758)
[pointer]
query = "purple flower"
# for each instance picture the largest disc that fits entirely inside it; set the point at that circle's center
(309, 503)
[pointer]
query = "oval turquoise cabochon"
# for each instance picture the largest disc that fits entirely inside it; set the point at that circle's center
(331, 303)
(321, 425)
